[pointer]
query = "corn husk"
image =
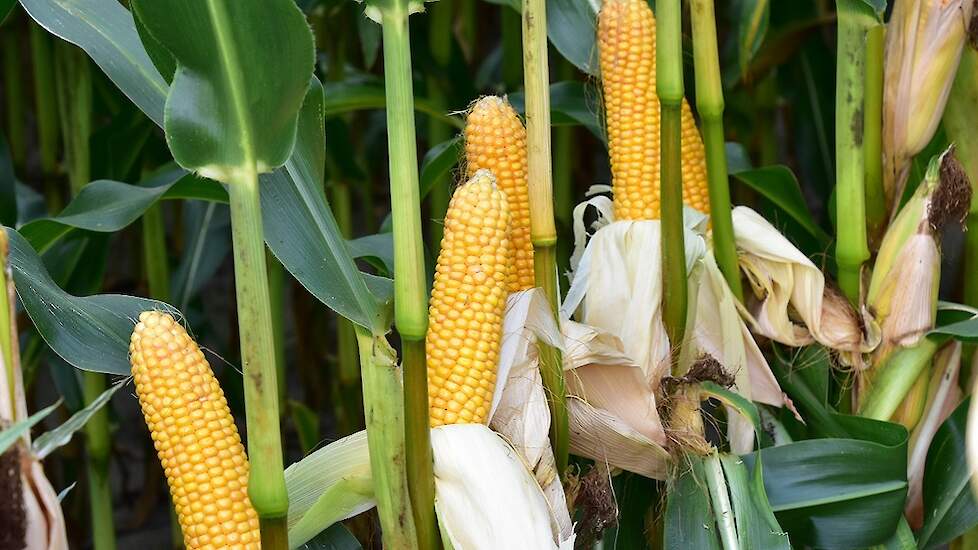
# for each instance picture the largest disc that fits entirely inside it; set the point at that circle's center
(924, 41)
(791, 303)
(943, 397)
(45, 524)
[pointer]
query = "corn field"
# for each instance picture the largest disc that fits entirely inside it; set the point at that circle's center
(488, 274)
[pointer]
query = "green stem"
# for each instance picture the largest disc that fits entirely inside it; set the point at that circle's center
(876, 214)
(384, 412)
(543, 231)
(896, 377)
(512, 49)
(720, 498)
(277, 289)
(154, 253)
(266, 484)
(74, 91)
(440, 44)
(97, 465)
(14, 94)
(46, 107)
(410, 284)
(274, 532)
(709, 103)
(565, 153)
(669, 86)
(851, 249)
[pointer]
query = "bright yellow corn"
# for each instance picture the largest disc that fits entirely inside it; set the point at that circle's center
(495, 140)
(626, 44)
(468, 301)
(194, 435)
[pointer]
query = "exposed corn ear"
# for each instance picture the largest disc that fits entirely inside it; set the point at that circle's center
(626, 44)
(495, 140)
(194, 435)
(468, 301)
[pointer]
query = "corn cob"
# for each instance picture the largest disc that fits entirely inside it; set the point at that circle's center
(626, 43)
(194, 435)
(468, 301)
(495, 140)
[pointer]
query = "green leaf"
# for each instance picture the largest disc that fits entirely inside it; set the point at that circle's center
(635, 496)
(379, 246)
(106, 206)
(106, 31)
(243, 67)
(839, 493)
(949, 503)
(803, 374)
(757, 527)
(741, 404)
(438, 162)
(50, 441)
(778, 185)
(751, 29)
(207, 227)
(345, 96)
(337, 537)
(571, 28)
(689, 519)
(966, 330)
(8, 185)
(92, 333)
(306, 423)
(6, 6)
(569, 106)
(162, 58)
(15, 431)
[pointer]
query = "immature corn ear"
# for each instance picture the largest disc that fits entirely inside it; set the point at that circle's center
(924, 41)
(495, 140)
(194, 434)
(468, 301)
(910, 257)
(626, 45)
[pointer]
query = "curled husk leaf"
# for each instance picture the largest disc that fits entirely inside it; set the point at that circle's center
(924, 41)
(791, 303)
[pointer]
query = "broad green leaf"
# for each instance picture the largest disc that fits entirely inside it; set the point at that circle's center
(839, 493)
(162, 58)
(571, 28)
(751, 29)
(949, 503)
(8, 186)
(60, 436)
(337, 537)
(778, 185)
(92, 333)
(106, 31)
(689, 519)
(379, 246)
(344, 97)
(570, 105)
(438, 162)
(106, 206)
(15, 431)
(965, 329)
(369, 34)
(803, 374)
(243, 67)
(635, 496)
(757, 527)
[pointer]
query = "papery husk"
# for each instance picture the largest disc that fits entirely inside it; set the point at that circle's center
(787, 284)
(943, 397)
(924, 41)
(485, 495)
(45, 524)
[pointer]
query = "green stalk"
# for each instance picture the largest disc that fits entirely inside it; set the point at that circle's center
(709, 103)
(896, 377)
(97, 465)
(669, 86)
(384, 413)
(440, 44)
(876, 214)
(543, 231)
(512, 48)
(959, 117)
(410, 284)
(565, 152)
(266, 484)
(717, 483)
(468, 29)
(276, 296)
(45, 109)
(8, 329)
(346, 339)
(74, 90)
(14, 94)
(154, 253)
(851, 249)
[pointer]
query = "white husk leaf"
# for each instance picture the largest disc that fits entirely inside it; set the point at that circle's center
(911, 291)
(601, 436)
(784, 280)
(486, 498)
(943, 397)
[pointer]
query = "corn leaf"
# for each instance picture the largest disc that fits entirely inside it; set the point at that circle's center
(92, 332)
(570, 28)
(570, 105)
(50, 441)
(757, 527)
(778, 185)
(15, 431)
(689, 519)
(208, 226)
(751, 28)
(223, 115)
(853, 498)
(344, 97)
(739, 403)
(337, 537)
(438, 162)
(8, 185)
(950, 508)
